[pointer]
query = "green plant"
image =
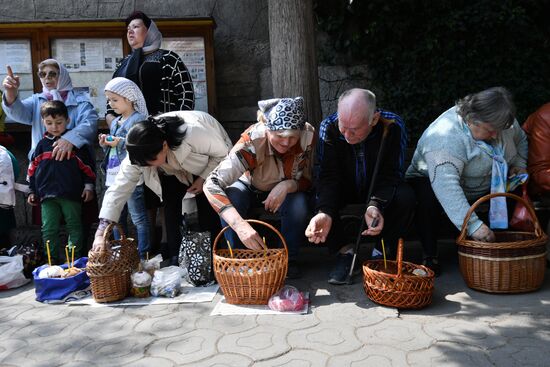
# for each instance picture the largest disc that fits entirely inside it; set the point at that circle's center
(424, 54)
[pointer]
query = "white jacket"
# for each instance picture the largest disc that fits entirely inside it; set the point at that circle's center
(205, 145)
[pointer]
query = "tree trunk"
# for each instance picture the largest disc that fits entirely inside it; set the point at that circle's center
(293, 58)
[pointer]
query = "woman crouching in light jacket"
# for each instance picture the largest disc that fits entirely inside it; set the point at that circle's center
(174, 152)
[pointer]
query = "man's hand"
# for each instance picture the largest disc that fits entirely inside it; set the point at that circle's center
(484, 234)
(318, 228)
(277, 196)
(374, 220)
(62, 149)
(196, 187)
(87, 195)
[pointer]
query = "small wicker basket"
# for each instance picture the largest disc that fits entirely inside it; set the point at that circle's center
(250, 277)
(395, 285)
(110, 270)
(514, 263)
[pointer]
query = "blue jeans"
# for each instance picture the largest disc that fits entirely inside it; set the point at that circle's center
(138, 213)
(293, 212)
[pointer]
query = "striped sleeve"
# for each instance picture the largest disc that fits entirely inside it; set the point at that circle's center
(180, 94)
(241, 159)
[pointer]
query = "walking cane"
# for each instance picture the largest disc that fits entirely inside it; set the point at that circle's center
(371, 188)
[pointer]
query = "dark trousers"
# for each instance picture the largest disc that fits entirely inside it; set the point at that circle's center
(173, 192)
(397, 219)
(429, 215)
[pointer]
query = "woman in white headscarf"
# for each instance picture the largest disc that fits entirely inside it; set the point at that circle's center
(160, 74)
(56, 85)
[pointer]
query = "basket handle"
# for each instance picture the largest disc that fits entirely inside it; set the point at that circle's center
(218, 237)
(399, 257)
(538, 230)
(109, 230)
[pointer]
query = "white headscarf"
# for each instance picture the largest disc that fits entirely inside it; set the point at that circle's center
(129, 90)
(64, 83)
(153, 38)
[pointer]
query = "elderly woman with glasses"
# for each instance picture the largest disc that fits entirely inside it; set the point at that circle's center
(464, 154)
(56, 85)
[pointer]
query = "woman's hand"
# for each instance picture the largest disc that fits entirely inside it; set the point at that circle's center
(11, 85)
(516, 171)
(277, 195)
(99, 243)
(196, 187)
(62, 149)
(248, 236)
(484, 234)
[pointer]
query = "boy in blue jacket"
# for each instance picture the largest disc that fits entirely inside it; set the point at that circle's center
(59, 185)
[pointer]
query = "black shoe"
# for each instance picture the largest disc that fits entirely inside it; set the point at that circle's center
(294, 271)
(339, 273)
(433, 264)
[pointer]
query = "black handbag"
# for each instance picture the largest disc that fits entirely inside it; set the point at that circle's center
(196, 256)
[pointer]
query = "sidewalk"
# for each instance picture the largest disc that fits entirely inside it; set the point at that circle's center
(462, 327)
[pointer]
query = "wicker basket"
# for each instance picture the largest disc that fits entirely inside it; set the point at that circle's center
(515, 263)
(395, 284)
(250, 277)
(110, 270)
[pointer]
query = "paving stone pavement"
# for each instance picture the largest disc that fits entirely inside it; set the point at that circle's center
(462, 327)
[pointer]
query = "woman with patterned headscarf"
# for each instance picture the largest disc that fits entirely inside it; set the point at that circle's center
(56, 85)
(270, 166)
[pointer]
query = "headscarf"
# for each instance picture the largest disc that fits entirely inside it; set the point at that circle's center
(64, 83)
(129, 90)
(283, 113)
(130, 69)
(498, 212)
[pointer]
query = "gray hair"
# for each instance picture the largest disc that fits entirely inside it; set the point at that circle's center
(494, 106)
(368, 97)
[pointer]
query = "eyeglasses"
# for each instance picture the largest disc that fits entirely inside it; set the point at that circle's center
(50, 74)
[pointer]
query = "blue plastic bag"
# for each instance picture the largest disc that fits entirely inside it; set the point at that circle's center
(50, 289)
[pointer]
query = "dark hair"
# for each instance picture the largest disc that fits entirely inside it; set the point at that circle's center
(54, 109)
(494, 106)
(139, 15)
(144, 140)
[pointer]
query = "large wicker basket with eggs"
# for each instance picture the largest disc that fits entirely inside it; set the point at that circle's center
(110, 269)
(398, 283)
(247, 276)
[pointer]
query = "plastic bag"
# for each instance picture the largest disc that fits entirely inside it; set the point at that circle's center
(141, 284)
(288, 298)
(166, 282)
(55, 289)
(152, 265)
(521, 219)
(11, 272)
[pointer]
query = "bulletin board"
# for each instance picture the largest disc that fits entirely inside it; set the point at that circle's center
(92, 50)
